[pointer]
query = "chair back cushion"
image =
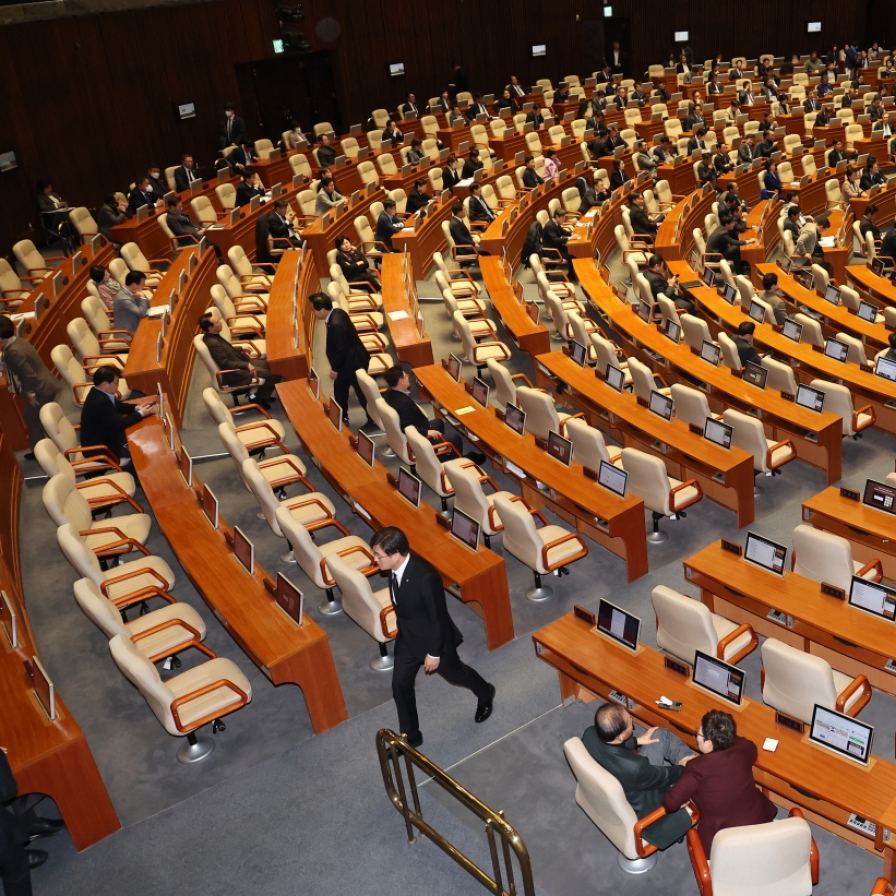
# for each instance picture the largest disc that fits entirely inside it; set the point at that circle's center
(822, 556)
(683, 625)
(647, 478)
(795, 681)
(541, 415)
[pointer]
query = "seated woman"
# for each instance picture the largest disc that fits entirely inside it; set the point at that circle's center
(618, 177)
(850, 188)
(771, 182)
(354, 266)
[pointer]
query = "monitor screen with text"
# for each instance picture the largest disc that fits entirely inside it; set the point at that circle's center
(873, 598)
(618, 625)
(612, 478)
(719, 678)
(842, 734)
(765, 553)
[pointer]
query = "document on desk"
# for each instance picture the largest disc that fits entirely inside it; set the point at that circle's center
(467, 409)
(398, 315)
(216, 227)
(465, 182)
(827, 242)
(407, 229)
(158, 310)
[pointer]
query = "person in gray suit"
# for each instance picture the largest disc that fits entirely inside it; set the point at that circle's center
(129, 306)
(29, 378)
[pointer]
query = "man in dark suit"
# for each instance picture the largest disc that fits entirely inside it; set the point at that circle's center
(181, 224)
(605, 75)
(460, 233)
(618, 59)
(445, 105)
(108, 215)
(241, 159)
(387, 225)
(746, 152)
(698, 141)
(472, 164)
(326, 155)
(516, 89)
(397, 396)
(281, 226)
(663, 151)
(345, 352)
(556, 237)
(640, 220)
(29, 379)
(459, 79)
(888, 246)
(185, 174)
(531, 178)
(706, 172)
(243, 368)
(249, 187)
(867, 224)
(871, 174)
(506, 101)
(141, 195)
(419, 196)
(427, 636)
(837, 154)
(478, 208)
(792, 222)
(720, 781)
(655, 275)
(450, 177)
(811, 103)
(743, 339)
(156, 186)
(683, 67)
(105, 419)
(233, 131)
(476, 108)
(725, 242)
(410, 107)
(646, 775)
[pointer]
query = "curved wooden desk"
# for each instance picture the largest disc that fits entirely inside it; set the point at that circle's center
(613, 522)
(525, 334)
(284, 651)
(478, 579)
(410, 346)
(289, 314)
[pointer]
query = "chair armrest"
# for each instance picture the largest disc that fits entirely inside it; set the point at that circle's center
(356, 300)
(108, 499)
(376, 248)
(882, 887)
(733, 636)
(387, 632)
(362, 285)
(646, 849)
(626, 253)
(860, 683)
(368, 570)
(220, 373)
(493, 518)
(104, 360)
(872, 564)
(712, 258)
(458, 274)
(699, 863)
(206, 689)
(464, 253)
(868, 409)
(250, 305)
(248, 347)
(101, 457)
(17, 293)
(107, 335)
(114, 547)
(479, 225)
(578, 416)
(254, 327)
(138, 597)
(146, 570)
(796, 812)
(569, 536)
(195, 639)
(286, 480)
(522, 376)
(691, 483)
(322, 524)
(250, 407)
(782, 444)
(532, 511)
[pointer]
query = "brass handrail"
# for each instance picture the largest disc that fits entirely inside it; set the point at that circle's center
(390, 748)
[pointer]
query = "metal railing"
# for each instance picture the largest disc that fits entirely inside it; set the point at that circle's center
(392, 748)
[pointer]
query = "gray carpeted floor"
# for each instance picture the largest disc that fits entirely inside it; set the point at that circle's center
(279, 811)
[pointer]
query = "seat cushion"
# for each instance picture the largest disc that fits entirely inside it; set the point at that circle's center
(97, 488)
(684, 497)
(133, 525)
(220, 700)
(496, 350)
(863, 422)
(356, 559)
(724, 627)
(781, 455)
(476, 305)
(557, 555)
(311, 508)
(380, 362)
(857, 565)
(483, 329)
(841, 683)
(144, 580)
(167, 638)
(282, 467)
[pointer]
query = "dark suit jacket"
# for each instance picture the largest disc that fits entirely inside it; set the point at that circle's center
(107, 217)
(240, 157)
(181, 181)
(352, 266)
(531, 178)
(227, 357)
(237, 132)
(888, 246)
(345, 350)
(644, 785)
(555, 237)
(244, 193)
(641, 222)
(326, 155)
(416, 200)
(137, 199)
(618, 178)
(408, 412)
(479, 210)
(470, 168)
(721, 784)
(104, 422)
(410, 109)
(424, 626)
(460, 233)
(279, 229)
(865, 225)
(182, 225)
(746, 352)
(157, 188)
(386, 226)
(745, 153)
(449, 178)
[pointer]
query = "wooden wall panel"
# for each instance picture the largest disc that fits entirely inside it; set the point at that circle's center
(96, 110)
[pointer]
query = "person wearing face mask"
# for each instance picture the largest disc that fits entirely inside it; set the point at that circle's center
(141, 195)
(156, 185)
(233, 130)
(297, 137)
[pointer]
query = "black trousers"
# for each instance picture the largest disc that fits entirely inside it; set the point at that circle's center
(341, 385)
(452, 436)
(15, 872)
(407, 665)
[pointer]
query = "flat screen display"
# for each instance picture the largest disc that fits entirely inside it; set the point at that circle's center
(465, 529)
(579, 353)
(785, 264)
(755, 374)
(560, 448)
(832, 294)
(644, 311)
(334, 412)
(813, 399)
(480, 392)
(366, 448)
(835, 350)
(210, 505)
(793, 330)
(872, 598)
(673, 331)
(185, 465)
(867, 312)
(615, 623)
(290, 598)
(539, 50)
(719, 678)
(885, 368)
(877, 267)
(765, 553)
(682, 37)
(717, 432)
(396, 69)
(515, 418)
(455, 366)
(660, 404)
(409, 487)
(612, 478)
(757, 312)
(709, 277)
(729, 294)
(314, 384)
(835, 731)
(43, 687)
(711, 352)
(880, 496)
(244, 550)
(615, 377)
(8, 161)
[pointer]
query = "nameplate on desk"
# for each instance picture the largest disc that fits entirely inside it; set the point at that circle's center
(677, 667)
(541, 443)
(391, 480)
(849, 494)
(786, 721)
(696, 430)
(732, 547)
(590, 474)
(788, 396)
(833, 591)
(440, 520)
(585, 615)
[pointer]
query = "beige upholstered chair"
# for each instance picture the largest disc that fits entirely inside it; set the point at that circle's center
(662, 494)
(609, 356)
(749, 435)
(300, 165)
(825, 557)
(428, 467)
(643, 382)
(601, 797)
(159, 635)
(780, 376)
(545, 550)
(32, 261)
(471, 499)
(188, 701)
(132, 255)
(793, 681)
(730, 357)
(217, 374)
(589, 446)
(695, 331)
(97, 317)
(90, 351)
(811, 332)
(12, 292)
(253, 278)
(249, 297)
(99, 492)
(838, 400)
(856, 349)
(368, 608)
(226, 194)
(478, 353)
(60, 430)
(266, 433)
(685, 625)
(504, 389)
(691, 405)
(313, 510)
(778, 858)
(81, 219)
(73, 374)
(542, 415)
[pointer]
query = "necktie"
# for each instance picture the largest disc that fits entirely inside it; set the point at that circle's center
(229, 124)
(393, 588)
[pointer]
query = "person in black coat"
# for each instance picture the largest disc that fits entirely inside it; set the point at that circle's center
(109, 215)
(249, 186)
(618, 177)
(418, 197)
(141, 195)
(479, 209)
(354, 266)
(326, 155)
(472, 165)
(185, 174)
(346, 354)
(449, 173)
(555, 237)
(387, 225)
(156, 186)
(459, 79)
(460, 233)
(641, 223)
(505, 101)
(888, 246)
(517, 90)
(744, 342)
(233, 130)
(725, 242)
(104, 418)
(241, 159)
(427, 636)
(531, 178)
(281, 226)
(656, 275)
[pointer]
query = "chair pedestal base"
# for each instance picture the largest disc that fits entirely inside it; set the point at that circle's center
(330, 608)
(383, 663)
(758, 491)
(657, 538)
(386, 452)
(538, 593)
(288, 557)
(637, 866)
(195, 750)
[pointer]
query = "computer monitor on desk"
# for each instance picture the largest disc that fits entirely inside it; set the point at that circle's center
(835, 350)
(366, 448)
(717, 432)
(711, 352)
(560, 448)
(793, 330)
(465, 529)
(660, 404)
(886, 369)
(755, 375)
(615, 377)
(810, 398)
(880, 496)
(619, 626)
(612, 478)
(841, 734)
(719, 678)
(515, 418)
(455, 366)
(873, 598)
(765, 553)
(409, 487)
(480, 392)
(579, 353)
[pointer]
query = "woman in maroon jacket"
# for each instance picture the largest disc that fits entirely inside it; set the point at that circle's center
(720, 781)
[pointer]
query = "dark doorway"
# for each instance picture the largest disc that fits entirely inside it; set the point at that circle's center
(276, 92)
(594, 45)
(619, 28)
